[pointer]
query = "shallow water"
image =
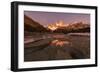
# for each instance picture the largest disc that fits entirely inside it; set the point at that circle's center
(57, 47)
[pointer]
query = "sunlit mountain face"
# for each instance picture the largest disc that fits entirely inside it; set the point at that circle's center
(60, 24)
(57, 25)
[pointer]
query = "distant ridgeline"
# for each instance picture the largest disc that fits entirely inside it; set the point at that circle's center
(76, 27)
(33, 26)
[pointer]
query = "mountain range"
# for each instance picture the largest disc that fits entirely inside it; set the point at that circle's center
(31, 25)
(75, 27)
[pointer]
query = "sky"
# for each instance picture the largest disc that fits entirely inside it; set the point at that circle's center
(46, 18)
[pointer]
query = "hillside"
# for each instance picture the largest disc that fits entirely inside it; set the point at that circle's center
(33, 26)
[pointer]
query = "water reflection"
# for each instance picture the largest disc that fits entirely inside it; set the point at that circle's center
(57, 47)
(60, 43)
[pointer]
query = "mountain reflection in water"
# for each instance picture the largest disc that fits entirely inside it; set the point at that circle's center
(60, 42)
(58, 47)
